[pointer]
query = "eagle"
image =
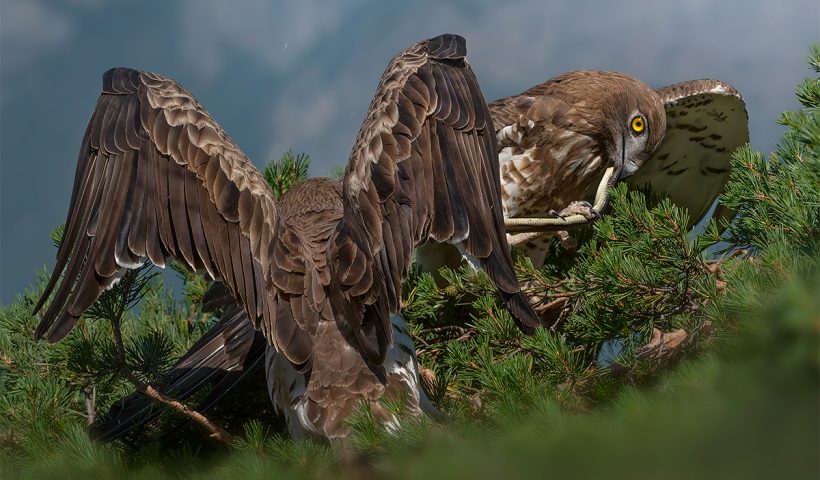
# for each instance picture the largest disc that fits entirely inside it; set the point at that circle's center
(319, 273)
(556, 139)
(558, 143)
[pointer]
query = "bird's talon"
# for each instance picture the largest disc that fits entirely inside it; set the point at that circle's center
(579, 207)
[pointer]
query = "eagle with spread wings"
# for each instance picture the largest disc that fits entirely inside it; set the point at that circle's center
(318, 274)
(556, 141)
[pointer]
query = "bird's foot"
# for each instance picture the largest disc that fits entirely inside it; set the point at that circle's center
(578, 207)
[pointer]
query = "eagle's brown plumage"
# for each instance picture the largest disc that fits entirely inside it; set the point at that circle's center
(705, 121)
(564, 133)
(555, 140)
(321, 272)
(423, 166)
(157, 177)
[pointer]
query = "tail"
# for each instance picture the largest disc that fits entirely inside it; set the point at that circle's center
(230, 351)
(515, 300)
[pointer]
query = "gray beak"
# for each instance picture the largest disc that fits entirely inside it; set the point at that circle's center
(628, 165)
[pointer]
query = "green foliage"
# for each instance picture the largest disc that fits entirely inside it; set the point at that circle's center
(48, 389)
(639, 271)
(590, 396)
(57, 235)
(287, 172)
(779, 196)
(194, 285)
(123, 295)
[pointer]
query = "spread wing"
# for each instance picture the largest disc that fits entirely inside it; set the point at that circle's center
(424, 166)
(157, 177)
(706, 121)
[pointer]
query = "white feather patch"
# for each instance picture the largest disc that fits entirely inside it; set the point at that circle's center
(140, 262)
(401, 358)
(281, 376)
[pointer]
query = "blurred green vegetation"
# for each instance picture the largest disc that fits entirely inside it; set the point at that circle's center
(736, 398)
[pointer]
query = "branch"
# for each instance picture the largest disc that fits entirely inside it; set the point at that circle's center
(216, 432)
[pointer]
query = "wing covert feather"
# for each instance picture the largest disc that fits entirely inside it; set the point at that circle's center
(706, 122)
(157, 177)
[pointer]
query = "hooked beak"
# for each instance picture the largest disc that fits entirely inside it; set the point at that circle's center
(627, 166)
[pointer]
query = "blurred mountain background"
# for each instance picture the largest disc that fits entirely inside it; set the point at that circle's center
(300, 74)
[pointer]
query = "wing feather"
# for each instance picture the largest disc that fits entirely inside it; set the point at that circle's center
(157, 177)
(706, 122)
(443, 225)
(424, 165)
(198, 236)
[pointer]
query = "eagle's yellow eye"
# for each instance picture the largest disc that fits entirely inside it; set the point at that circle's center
(638, 124)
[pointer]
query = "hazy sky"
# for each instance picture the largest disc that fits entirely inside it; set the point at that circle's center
(300, 74)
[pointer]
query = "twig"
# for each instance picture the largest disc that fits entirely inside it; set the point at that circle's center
(444, 328)
(90, 403)
(216, 432)
(563, 300)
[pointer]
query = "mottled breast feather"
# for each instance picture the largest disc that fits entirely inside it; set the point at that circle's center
(423, 166)
(157, 177)
(558, 137)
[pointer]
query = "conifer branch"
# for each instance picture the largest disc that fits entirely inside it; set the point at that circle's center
(215, 431)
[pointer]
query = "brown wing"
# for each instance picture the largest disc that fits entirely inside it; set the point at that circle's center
(424, 166)
(157, 177)
(507, 110)
(706, 121)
